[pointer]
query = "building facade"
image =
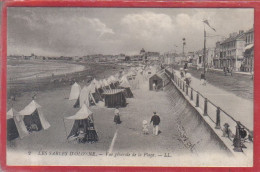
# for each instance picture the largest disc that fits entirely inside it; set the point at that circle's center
(232, 51)
(216, 60)
(248, 62)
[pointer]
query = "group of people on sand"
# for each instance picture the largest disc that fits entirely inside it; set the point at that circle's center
(155, 121)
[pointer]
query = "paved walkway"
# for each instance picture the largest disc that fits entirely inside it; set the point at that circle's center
(239, 108)
(221, 70)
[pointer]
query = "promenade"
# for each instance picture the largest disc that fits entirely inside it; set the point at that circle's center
(239, 108)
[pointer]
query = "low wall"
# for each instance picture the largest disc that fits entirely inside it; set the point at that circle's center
(200, 131)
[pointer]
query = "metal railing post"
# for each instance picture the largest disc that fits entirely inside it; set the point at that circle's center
(197, 100)
(237, 140)
(191, 94)
(187, 90)
(205, 107)
(183, 86)
(218, 118)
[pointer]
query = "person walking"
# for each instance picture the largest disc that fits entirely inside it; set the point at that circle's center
(202, 79)
(156, 121)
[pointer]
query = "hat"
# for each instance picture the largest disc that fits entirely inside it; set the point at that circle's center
(226, 125)
(154, 112)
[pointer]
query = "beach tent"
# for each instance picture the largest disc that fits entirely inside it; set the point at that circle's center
(99, 89)
(74, 92)
(87, 96)
(138, 80)
(15, 125)
(95, 95)
(126, 85)
(84, 97)
(116, 80)
(160, 79)
(112, 81)
(33, 117)
(106, 85)
(83, 122)
(114, 98)
(94, 81)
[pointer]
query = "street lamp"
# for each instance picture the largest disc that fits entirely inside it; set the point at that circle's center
(183, 44)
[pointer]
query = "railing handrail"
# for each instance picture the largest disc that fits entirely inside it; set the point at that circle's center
(209, 101)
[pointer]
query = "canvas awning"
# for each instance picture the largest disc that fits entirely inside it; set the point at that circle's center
(249, 46)
(83, 113)
(113, 91)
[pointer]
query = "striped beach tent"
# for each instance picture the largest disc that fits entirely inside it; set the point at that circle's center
(114, 98)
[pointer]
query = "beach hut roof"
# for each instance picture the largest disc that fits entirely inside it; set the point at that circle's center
(83, 113)
(30, 108)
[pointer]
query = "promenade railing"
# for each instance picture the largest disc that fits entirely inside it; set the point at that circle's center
(215, 113)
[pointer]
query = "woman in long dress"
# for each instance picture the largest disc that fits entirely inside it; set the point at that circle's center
(117, 116)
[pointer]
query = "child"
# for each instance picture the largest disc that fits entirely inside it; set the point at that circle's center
(145, 127)
(227, 132)
(117, 116)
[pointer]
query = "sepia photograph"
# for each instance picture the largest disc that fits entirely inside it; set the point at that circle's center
(168, 87)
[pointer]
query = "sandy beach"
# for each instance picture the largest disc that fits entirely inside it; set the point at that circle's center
(178, 119)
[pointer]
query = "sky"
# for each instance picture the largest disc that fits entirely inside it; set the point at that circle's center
(84, 31)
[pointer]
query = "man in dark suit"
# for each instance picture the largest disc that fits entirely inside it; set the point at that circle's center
(156, 121)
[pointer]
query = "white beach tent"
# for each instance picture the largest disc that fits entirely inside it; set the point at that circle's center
(106, 84)
(15, 125)
(32, 114)
(126, 85)
(86, 95)
(94, 81)
(80, 119)
(75, 91)
(98, 85)
(124, 82)
(83, 113)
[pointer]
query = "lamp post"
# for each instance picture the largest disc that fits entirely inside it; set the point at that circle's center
(204, 51)
(183, 44)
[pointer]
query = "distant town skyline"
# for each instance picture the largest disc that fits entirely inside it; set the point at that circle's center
(86, 31)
